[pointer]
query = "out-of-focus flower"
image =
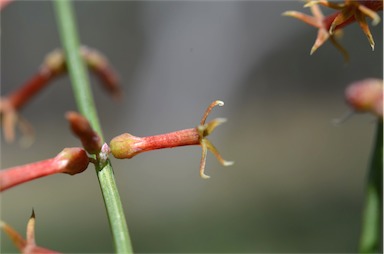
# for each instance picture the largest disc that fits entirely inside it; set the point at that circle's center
(53, 66)
(4, 3)
(366, 96)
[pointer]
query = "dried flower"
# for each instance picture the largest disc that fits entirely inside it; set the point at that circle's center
(69, 161)
(353, 10)
(27, 246)
(349, 11)
(126, 145)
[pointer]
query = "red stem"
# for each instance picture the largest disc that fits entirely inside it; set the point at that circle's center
(20, 174)
(169, 140)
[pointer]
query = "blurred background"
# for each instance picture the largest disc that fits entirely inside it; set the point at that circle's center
(298, 180)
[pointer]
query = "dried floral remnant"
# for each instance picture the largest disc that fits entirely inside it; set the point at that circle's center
(126, 146)
(347, 12)
(322, 35)
(69, 161)
(354, 10)
(204, 129)
(27, 246)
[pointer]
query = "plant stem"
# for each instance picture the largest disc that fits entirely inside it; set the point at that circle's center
(76, 67)
(372, 230)
(83, 95)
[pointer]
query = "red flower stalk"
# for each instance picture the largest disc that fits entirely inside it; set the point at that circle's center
(27, 246)
(127, 146)
(349, 11)
(69, 161)
(53, 66)
(82, 129)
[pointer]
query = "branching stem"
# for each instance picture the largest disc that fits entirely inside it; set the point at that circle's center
(84, 99)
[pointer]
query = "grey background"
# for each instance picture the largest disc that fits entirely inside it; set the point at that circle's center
(298, 181)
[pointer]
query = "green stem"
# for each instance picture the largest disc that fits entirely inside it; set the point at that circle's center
(372, 230)
(84, 99)
(76, 66)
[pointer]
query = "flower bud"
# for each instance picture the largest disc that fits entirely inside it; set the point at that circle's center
(366, 96)
(73, 160)
(125, 146)
(82, 129)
